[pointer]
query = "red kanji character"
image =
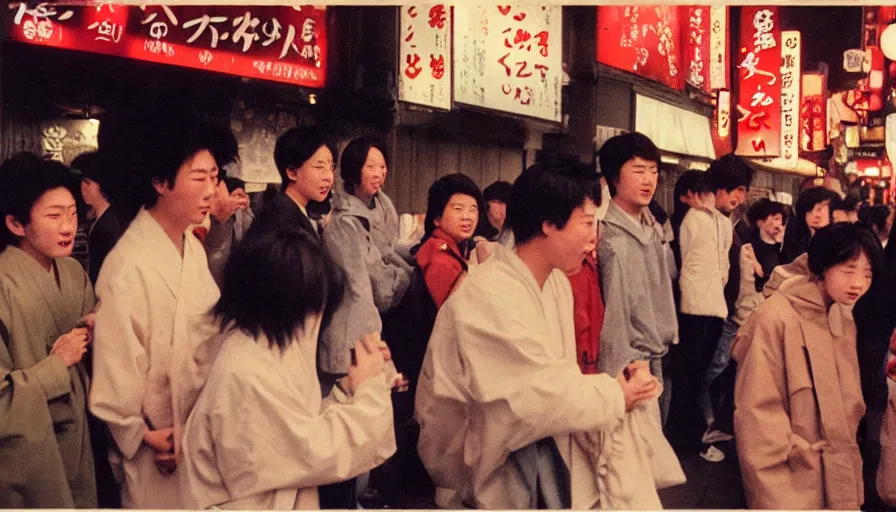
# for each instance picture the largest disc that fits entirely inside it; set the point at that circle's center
(410, 36)
(506, 67)
(437, 16)
(504, 9)
(757, 120)
(758, 145)
(543, 70)
(528, 99)
(520, 17)
(437, 65)
(521, 37)
(506, 88)
(506, 40)
(412, 11)
(413, 68)
(522, 66)
(542, 38)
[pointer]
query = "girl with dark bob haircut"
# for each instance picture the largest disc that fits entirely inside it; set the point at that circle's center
(353, 157)
(798, 396)
(260, 435)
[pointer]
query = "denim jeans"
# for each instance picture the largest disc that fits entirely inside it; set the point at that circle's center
(720, 360)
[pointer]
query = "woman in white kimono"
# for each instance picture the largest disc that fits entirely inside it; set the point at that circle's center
(260, 436)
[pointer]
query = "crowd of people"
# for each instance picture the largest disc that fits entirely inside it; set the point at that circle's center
(532, 347)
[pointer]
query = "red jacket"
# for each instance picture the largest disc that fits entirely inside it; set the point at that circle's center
(440, 269)
(588, 309)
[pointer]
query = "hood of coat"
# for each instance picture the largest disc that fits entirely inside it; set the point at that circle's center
(626, 223)
(781, 273)
(349, 204)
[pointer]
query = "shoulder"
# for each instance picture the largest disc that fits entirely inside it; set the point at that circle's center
(71, 267)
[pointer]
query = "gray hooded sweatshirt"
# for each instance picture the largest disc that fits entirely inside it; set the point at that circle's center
(639, 320)
(361, 238)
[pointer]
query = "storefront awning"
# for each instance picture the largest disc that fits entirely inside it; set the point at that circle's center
(674, 129)
(803, 167)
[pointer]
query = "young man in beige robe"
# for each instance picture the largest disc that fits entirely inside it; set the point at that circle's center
(154, 291)
(44, 297)
(501, 395)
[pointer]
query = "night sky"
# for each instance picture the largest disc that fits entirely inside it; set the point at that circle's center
(826, 33)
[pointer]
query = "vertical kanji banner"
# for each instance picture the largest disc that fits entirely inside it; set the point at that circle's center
(696, 44)
(719, 60)
(642, 39)
(280, 43)
(424, 57)
(509, 58)
(790, 98)
(813, 113)
(759, 83)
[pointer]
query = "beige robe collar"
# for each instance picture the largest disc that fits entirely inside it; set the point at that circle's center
(53, 295)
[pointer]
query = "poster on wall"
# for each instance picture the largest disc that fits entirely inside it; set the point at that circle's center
(759, 83)
(64, 139)
(424, 75)
(718, 47)
(509, 58)
(813, 113)
(256, 129)
(642, 39)
(280, 43)
(697, 41)
(790, 98)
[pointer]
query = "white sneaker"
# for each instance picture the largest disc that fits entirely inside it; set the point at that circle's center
(714, 435)
(713, 454)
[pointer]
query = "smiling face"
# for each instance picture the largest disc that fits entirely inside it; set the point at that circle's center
(847, 282)
(50, 232)
(459, 218)
(636, 184)
(189, 199)
(314, 178)
(373, 174)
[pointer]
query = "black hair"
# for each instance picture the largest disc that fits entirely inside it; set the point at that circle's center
(497, 191)
(90, 165)
(24, 178)
(841, 242)
(225, 147)
(847, 204)
(273, 280)
(728, 173)
(874, 217)
(797, 232)
(549, 192)
(353, 157)
(233, 184)
(811, 197)
(440, 193)
(764, 208)
(658, 212)
(319, 209)
(168, 143)
(295, 146)
(620, 149)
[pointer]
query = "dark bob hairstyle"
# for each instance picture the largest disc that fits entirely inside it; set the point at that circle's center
(273, 280)
(353, 157)
(440, 193)
(841, 242)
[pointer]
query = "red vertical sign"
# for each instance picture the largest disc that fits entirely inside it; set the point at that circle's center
(759, 83)
(696, 39)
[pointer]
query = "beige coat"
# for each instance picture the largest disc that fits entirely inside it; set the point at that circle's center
(798, 384)
(500, 373)
(260, 437)
(45, 454)
(151, 325)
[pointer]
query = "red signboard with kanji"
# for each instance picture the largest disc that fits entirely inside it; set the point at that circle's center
(813, 113)
(280, 43)
(696, 39)
(642, 39)
(759, 83)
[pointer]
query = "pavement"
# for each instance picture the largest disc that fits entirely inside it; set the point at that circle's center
(710, 485)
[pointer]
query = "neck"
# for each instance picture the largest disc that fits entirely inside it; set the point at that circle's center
(765, 238)
(629, 208)
(174, 228)
(100, 207)
(811, 232)
(534, 258)
(42, 259)
(363, 197)
(294, 194)
(828, 301)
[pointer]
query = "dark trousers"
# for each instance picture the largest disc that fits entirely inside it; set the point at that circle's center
(698, 338)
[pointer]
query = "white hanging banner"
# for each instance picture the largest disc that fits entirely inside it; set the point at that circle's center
(790, 98)
(718, 47)
(424, 75)
(509, 58)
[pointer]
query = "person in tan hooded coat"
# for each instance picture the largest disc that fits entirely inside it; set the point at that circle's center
(798, 398)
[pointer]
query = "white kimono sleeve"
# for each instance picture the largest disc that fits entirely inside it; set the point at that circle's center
(263, 441)
(120, 366)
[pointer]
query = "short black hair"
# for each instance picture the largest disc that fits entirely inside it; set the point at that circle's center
(689, 181)
(353, 157)
(841, 242)
(847, 204)
(440, 193)
(295, 146)
(728, 173)
(273, 280)
(620, 149)
(91, 166)
(549, 192)
(764, 208)
(874, 216)
(811, 197)
(24, 178)
(225, 147)
(168, 143)
(497, 191)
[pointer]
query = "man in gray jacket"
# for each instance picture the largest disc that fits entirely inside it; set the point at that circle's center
(639, 320)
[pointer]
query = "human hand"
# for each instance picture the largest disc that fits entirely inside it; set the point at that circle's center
(367, 362)
(637, 384)
(71, 346)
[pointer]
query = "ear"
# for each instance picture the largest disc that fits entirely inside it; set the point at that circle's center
(437, 222)
(547, 228)
(160, 187)
(292, 173)
(14, 226)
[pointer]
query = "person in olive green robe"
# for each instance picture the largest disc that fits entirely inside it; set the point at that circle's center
(45, 297)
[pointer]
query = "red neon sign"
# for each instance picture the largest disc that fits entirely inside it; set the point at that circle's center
(642, 39)
(759, 83)
(283, 44)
